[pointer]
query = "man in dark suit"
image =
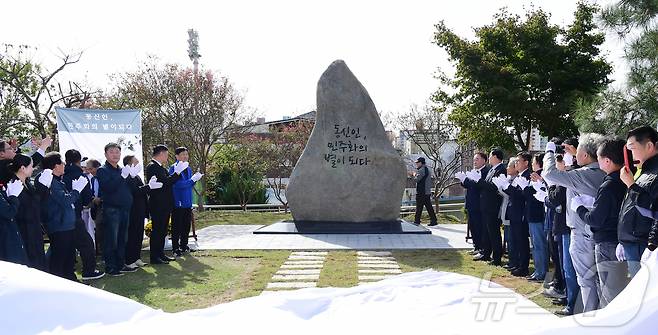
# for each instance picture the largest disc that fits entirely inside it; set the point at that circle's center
(161, 201)
(490, 202)
(473, 202)
(520, 227)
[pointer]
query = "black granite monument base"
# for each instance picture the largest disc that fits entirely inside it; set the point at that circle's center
(320, 227)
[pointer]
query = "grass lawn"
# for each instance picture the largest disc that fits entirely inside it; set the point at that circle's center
(210, 218)
(207, 278)
(202, 279)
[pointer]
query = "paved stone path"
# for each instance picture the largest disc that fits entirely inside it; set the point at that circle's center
(376, 265)
(301, 270)
(240, 237)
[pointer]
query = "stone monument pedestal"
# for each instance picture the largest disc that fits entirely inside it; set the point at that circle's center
(327, 227)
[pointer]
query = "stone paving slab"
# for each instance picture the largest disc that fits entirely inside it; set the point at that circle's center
(301, 266)
(371, 271)
(297, 262)
(299, 272)
(296, 277)
(292, 285)
(380, 266)
(370, 258)
(240, 237)
(306, 258)
(377, 262)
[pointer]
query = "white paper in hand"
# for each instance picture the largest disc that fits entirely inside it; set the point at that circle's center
(14, 188)
(568, 159)
(154, 184)
(79, 184)
(180, 167)
(46, 177)
(196, 177)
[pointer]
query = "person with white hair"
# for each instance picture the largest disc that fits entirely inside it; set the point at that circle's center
(583, 181)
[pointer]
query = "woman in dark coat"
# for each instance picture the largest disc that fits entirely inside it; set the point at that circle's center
(11, 243)
(28, 217)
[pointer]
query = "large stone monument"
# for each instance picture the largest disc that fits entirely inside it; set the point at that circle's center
(349, 179)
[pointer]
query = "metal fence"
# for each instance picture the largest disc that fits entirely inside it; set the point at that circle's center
(447, 208)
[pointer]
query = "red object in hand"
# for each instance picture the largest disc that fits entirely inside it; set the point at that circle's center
(626, 162)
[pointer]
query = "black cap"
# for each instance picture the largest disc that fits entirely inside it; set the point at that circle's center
(420, 160)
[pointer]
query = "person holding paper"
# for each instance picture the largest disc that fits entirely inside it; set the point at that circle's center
(584, 180)
(520, 231)
(472, 202)
(633, 227)
(161, 201)
(60, 215)
(83, 240)
(490, 202)
(11, 244)
(181, 217)
(602, 218)
(138, 211)
(117, 199)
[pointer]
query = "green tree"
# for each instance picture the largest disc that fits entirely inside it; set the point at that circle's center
(519, 74)
(616, 111)
(180, 108)
(29, 92)
(237, 175)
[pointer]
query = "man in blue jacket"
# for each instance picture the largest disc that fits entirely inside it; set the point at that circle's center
(117, 199)
(60, 215)
(181, 219)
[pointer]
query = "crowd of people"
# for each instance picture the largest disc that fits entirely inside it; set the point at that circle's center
(585, 205)
(85, 208)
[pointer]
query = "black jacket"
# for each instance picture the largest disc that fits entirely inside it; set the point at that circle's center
(473, 192)
(515, 205)
(557, 200)
(30, 224)
(71, 173)
(603, 218)
(6, 175)
(534, 209)
(633, 227)
(140, 197)
(161, 201)
(490, 199)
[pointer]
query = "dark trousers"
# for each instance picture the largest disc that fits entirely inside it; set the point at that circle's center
(424, 201)
(32, 235)
(492, 223)
(520, 233)
(115, 234)
(158, 234)
(62, 254)
(135, 237)
(85, 245)
(475, 225)
(555, 249)
(181, 221)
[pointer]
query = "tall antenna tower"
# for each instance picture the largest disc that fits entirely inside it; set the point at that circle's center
(193, 48)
